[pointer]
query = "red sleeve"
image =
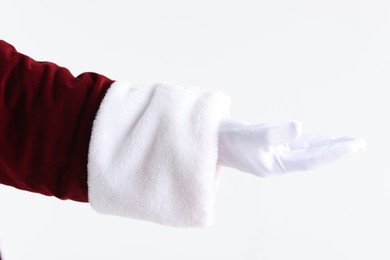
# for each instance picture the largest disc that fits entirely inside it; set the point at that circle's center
(46, 117)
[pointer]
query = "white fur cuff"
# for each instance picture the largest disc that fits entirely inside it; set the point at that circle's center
(153, 153)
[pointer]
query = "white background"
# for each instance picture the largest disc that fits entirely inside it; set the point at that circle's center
(325, 63)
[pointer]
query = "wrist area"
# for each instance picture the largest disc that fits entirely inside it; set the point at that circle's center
(153, 153)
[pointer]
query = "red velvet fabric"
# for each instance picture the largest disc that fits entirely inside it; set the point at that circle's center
(46, 117)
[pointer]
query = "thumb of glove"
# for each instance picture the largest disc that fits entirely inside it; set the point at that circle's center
(246, 147)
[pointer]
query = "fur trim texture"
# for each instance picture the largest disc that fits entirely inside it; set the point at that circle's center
(153, 153)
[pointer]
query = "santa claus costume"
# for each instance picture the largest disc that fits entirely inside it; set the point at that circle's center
(124, 149)
(150, 152)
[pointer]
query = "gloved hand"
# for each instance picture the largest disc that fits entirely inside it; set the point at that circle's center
(277, 148)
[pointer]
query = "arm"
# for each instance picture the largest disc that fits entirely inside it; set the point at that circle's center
(146, 152)
(149, 152)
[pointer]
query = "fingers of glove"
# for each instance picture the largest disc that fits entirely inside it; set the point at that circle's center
(305, 141)
(280, 133)
(302, 160)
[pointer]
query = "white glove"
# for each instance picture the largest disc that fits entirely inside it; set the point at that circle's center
(274, 149)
